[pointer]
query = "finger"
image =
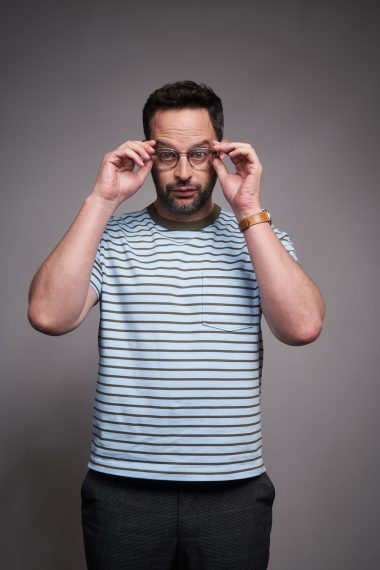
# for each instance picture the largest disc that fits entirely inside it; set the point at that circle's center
(129, 153)
(141, 147)
(230, 148)
(148, 145)
(149, 150)
(150, 142)
(251, 151)
(227, 146)
(241, 152)
(220, 168)
(143, 171)
(234, 143)
(224, 147)
(138, 148)
(246, 154)
(219, 151)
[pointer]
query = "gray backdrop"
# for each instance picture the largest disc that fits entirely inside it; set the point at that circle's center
(299, 81)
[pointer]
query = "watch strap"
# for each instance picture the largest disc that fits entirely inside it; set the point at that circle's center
(258, 218)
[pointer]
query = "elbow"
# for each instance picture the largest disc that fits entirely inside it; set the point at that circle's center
(306, 333)
(42, 323)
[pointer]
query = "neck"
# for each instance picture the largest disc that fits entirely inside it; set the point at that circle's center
(199, 215)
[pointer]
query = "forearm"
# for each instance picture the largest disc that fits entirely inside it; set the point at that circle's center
(291, 302)
(60, 287)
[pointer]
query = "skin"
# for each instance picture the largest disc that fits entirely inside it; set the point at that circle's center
(182, 130)
(60, 296)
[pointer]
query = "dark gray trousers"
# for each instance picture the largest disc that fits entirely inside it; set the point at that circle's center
(142, 524)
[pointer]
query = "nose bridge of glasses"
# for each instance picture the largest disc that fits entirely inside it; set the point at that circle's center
(185, 154)
(183, 165)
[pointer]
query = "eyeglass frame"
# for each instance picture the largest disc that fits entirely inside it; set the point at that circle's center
(179, 154)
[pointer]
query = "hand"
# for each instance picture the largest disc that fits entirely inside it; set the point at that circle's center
(242, 187)
(116, 180)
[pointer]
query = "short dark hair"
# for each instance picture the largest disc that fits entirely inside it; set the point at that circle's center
(184, 95)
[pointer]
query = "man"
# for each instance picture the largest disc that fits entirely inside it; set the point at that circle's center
(176, 477)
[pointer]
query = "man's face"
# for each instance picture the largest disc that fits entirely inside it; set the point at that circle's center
(183, 130)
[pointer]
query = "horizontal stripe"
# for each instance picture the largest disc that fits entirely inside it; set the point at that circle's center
(156, 462)
(172, 425)
(183, 296)
(243, 265)
(254, 310)
(170, 278)
(179, 475)
(172, 408)
(227, 446)
(181, 435)
(156, 341)
(177, 454)
(140, 331)
(171, 388)
(105, 411)
(177, 398)
(207, 350)
(135, 255)
(111, 358)
(165, 247)
(108, 301)
(189, 370)
(117, 281)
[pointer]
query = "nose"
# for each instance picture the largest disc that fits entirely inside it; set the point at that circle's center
(183, 169)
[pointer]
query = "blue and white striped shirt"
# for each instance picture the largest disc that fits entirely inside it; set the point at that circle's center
(179, 382)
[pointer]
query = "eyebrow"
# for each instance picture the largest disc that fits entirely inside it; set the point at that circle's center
(196, 145)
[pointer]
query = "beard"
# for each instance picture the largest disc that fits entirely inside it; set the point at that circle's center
(179, 205)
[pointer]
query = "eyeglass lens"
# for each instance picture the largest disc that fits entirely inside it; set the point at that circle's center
(198, 158)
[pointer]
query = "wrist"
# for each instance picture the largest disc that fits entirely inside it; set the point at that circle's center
(101, 205)
(247, 211)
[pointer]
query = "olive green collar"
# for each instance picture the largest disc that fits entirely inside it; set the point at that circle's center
(177, 225)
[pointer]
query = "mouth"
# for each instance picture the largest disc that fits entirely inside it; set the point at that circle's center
(186, 193)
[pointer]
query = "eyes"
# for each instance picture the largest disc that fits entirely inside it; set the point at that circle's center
(196, 154)
(199, 154)
(166, 155)
(198, 157)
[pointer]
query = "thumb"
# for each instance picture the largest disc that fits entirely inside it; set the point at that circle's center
(143, 171)
(220, 168)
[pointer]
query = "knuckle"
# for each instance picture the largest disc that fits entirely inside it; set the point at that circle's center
(107, 156)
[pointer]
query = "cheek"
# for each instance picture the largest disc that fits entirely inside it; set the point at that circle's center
(160, 178)
(209, 177)
(165, 178)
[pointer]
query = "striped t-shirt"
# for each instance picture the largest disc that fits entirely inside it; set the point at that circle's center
(180, 347)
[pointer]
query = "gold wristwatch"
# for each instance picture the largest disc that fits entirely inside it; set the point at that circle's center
(263, 216)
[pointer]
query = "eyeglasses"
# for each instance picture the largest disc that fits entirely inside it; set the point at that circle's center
(199, 158)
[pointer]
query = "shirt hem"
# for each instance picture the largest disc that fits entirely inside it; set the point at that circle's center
(189, 477)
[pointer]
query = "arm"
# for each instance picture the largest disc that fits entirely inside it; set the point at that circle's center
(60, 295)
(291, 302)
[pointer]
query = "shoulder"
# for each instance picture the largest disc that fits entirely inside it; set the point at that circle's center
(127, 222)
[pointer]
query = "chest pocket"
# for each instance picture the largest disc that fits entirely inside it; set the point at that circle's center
(230, 301)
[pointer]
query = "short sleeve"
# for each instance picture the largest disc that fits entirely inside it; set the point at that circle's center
(286, 242)
(96, 278)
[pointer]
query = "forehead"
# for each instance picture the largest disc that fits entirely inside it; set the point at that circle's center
(182, 126)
